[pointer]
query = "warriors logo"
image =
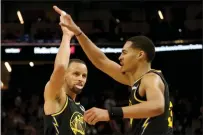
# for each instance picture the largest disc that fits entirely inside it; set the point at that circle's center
(77, 124)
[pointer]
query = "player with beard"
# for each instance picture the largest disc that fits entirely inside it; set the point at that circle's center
(150, 109)
(62, 114)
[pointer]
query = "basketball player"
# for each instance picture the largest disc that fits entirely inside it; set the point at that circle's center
(150, 109)
(63, 116)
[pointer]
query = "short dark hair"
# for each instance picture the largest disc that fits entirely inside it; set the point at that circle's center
(145, 44)
(76, 61)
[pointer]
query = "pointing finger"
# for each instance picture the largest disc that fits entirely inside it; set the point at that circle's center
(58, 10)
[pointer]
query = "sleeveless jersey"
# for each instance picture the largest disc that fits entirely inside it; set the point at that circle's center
(69, 121)
(159, 125)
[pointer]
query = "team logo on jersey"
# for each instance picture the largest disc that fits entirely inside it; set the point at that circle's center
(77, 124)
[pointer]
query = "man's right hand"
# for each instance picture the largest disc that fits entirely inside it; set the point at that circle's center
(95, 55)
(67, 21)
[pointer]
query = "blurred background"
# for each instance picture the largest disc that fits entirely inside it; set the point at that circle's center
(30, 37)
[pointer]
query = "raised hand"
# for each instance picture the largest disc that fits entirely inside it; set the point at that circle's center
(65, 30)
(66, 21)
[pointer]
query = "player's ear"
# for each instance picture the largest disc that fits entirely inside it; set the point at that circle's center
(141, 54)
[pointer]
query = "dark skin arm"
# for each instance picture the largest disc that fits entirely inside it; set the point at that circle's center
(95, 55)
(154, 88)
(154, 105)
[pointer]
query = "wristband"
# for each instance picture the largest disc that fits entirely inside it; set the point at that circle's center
(115, 113)
(78, 34)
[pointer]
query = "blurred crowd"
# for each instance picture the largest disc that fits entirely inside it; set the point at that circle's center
(104, 24)
(49, 32)
(22, 114)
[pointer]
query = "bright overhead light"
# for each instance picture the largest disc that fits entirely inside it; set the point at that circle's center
(8, 67)
(20, 17)
(2, 84)
(160, 15)
(31, 64)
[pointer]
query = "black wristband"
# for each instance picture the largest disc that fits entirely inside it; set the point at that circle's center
(115, 113)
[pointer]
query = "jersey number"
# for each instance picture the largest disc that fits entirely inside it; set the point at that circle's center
(170, 118)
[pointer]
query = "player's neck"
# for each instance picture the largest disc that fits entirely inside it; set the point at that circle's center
(72, 95)
(139, 72)
(69, 92)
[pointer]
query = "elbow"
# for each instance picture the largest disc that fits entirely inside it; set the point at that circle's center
(58, 75)
(60, 68)
(159, 109)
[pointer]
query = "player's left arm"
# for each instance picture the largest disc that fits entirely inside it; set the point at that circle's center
(153, 85)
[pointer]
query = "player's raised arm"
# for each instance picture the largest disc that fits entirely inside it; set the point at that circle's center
(54, 85)
(95, 55)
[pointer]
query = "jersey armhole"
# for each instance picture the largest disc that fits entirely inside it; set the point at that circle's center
(57, 113)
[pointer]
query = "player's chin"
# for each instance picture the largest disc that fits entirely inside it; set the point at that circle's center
(77, 90)
(123, 70)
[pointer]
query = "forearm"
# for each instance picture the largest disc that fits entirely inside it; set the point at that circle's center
(63, 55)
(95, 55)
(143, 110)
